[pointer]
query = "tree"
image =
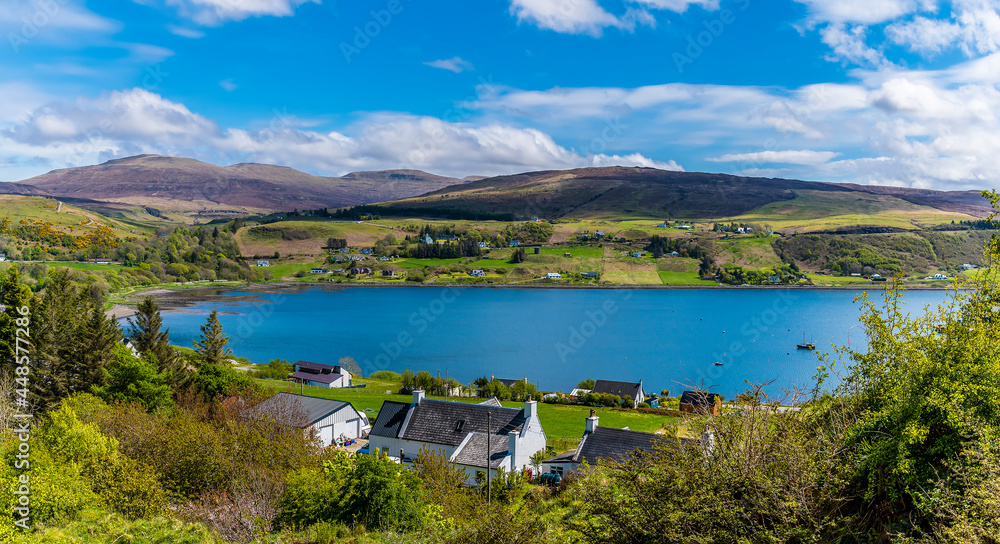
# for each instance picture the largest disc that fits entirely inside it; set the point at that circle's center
(131, 379)
(14, 296)
(587, 384)
(145, 332)
(213, 347)
(212, 380)
(518, 256)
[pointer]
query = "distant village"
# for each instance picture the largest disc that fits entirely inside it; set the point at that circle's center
(479, 437)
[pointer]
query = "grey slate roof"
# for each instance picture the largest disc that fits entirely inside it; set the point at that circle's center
(491, 402)
(319, 378)
(390, 419)
(298, 410)
(611, 443)
(699, 398)
(436, 421)
(562, 457)
(315, 367)
(505, 381)
(621, 389)
(473, 453)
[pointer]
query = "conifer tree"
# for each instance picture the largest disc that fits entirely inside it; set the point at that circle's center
(213, 347)
(148, 337)
(14, 295)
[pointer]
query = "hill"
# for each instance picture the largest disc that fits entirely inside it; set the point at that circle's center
(194, 189)
(622, 192)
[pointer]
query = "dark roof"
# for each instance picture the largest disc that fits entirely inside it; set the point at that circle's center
(473, 453)
(621, 389)
(318, 367)
(298, 410)
(562, 457)
(699, 398)
(321, 378)
(508, 383)
(437, 421)
(390, 418)
(611, 443)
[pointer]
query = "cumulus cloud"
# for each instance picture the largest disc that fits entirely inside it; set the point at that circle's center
(134, 121)
(217, 12)
(803, 156)
(577, 16)
(454, 64)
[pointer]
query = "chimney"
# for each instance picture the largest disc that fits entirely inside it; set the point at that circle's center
(530, 408)
(592, 422)
(512, 449)
(418, 395)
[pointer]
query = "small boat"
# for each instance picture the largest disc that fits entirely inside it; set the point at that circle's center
(717, 363)
(806, 345)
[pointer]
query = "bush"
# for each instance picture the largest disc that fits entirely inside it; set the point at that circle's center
(128, 487)
(386, 375)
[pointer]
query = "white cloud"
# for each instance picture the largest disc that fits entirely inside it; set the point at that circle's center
(122, 123)
(217, 12)
(577, 16)
(859, 11)
(454, 64)
(185, 32)
(228, 85)
(849, 43)
(803, 156)
(680, 6)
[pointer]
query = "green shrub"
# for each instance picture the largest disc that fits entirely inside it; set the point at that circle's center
(128, 487)
(386, 375)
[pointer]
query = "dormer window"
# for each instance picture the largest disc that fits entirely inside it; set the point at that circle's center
(459, 425)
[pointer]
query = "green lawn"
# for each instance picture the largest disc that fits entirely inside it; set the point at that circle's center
(85, 266)
(589, 251)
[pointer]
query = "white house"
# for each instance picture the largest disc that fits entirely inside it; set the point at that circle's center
(3, 257)
(319, 271)
(459, 431)
(683, 227)
(964, 266)
(553, 276)
(477, 273)
(321, 375)
(263, 263)
(333, 421)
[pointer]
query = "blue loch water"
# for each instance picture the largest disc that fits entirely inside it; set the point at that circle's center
(668, 338)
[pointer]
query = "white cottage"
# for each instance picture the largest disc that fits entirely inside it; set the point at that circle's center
(459, 431)
(333, 421)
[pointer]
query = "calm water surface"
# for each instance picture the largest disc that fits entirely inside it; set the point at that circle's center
(555, 337)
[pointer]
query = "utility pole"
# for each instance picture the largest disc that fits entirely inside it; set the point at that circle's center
(489, 487)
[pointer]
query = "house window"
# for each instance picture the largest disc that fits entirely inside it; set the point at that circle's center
(558, 470)
(459, 424)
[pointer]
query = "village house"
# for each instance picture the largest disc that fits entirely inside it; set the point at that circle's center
(600, 443)
(428, 239)
(683, 227)
(319, 271)
(625, 390)
(333, 421)
(553, 276)
(263, 263)
(101, 261)
(3, 257)
(387, 273)
(361, 270)
(321, 375)
(589, 274)
(477, 273)
(515, 243)
(476, 437)
(701, 402)
(484, 245)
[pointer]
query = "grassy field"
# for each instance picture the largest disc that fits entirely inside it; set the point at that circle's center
(63, 217)
(563, 424)
(822, 210)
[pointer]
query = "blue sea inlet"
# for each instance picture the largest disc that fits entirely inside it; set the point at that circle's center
(668, 338)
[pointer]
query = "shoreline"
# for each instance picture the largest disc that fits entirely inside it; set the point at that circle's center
(176, 297)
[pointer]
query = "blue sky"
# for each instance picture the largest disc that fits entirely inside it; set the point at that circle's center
(898, 92)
